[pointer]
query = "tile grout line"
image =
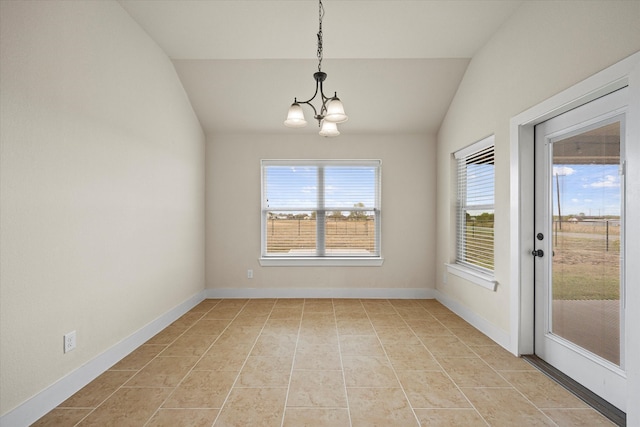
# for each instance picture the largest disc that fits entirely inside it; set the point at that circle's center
(447, 373)
(140, 369)
(344, 379)
(444, 370)
(226, 399)
(199, 359)
(404, 392)
(511, 386)
(522, 394)
(391, 364)
(293, 362)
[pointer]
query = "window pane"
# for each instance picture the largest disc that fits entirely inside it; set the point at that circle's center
(291, 233)
(291, 187)
(478, 238)
(349, 186)
(480, 184)
(350, 233)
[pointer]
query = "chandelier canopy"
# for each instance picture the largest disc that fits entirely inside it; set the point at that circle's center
(331, 111)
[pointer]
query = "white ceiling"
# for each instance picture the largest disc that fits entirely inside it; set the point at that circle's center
(396, 64)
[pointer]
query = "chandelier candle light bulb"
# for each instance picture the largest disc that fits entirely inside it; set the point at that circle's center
(331, 110)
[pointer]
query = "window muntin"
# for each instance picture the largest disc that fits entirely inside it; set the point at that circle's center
(475, 206)
(320, 208)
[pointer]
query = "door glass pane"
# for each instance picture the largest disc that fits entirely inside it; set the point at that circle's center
(586, 240)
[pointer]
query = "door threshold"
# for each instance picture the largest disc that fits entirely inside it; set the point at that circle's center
(614, 414)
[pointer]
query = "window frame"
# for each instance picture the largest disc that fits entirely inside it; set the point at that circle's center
(479, 275)
(320, 258)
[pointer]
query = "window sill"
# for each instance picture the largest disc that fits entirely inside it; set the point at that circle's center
(485, 280)
(321, 262)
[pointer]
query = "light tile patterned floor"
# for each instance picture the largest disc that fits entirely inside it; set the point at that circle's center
(321, 362)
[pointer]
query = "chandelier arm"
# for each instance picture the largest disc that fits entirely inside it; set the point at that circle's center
(323, 107)
(315, 112)
(325, 99)
(312, 98)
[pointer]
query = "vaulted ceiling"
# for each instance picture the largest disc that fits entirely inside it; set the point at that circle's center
(396, 64)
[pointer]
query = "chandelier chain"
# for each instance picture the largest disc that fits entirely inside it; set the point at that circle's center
(331, 110)
(320, 16)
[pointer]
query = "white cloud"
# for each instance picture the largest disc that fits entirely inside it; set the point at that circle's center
(311, 189)
(575, 200)
(609, 181)
(563, 170)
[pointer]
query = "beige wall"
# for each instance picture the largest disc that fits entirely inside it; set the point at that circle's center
(544, 48)
(102, 188)
(233, 211)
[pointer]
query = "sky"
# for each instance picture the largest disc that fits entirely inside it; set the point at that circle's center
(593, 190)
(297, 187)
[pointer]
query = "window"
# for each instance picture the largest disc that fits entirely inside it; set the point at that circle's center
(319, 211)
(475, 206)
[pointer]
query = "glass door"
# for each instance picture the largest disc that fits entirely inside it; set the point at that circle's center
(579, 254)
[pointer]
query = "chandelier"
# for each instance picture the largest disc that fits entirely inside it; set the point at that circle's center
(331, 111)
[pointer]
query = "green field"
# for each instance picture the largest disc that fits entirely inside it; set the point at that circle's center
(585, 268)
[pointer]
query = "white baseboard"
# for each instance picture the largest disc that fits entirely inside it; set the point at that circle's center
(501, 337)
(43, 402)
(371, 293)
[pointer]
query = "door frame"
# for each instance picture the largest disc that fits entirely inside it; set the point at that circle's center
(521, 228)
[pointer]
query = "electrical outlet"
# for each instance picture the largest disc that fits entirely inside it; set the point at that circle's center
(69, 341)
(249, 274)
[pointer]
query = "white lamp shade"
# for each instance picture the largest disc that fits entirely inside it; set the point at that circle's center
(295, 117)
(335, 111)
(329, 129)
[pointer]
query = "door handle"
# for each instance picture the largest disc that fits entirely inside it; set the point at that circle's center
(538, 253)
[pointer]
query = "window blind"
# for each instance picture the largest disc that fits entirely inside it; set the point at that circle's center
(321, 208)
(475, 206)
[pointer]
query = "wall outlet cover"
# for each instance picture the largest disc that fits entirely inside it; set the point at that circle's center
(69, 341)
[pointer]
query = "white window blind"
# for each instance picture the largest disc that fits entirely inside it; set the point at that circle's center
(475, 205)
(320, 208)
